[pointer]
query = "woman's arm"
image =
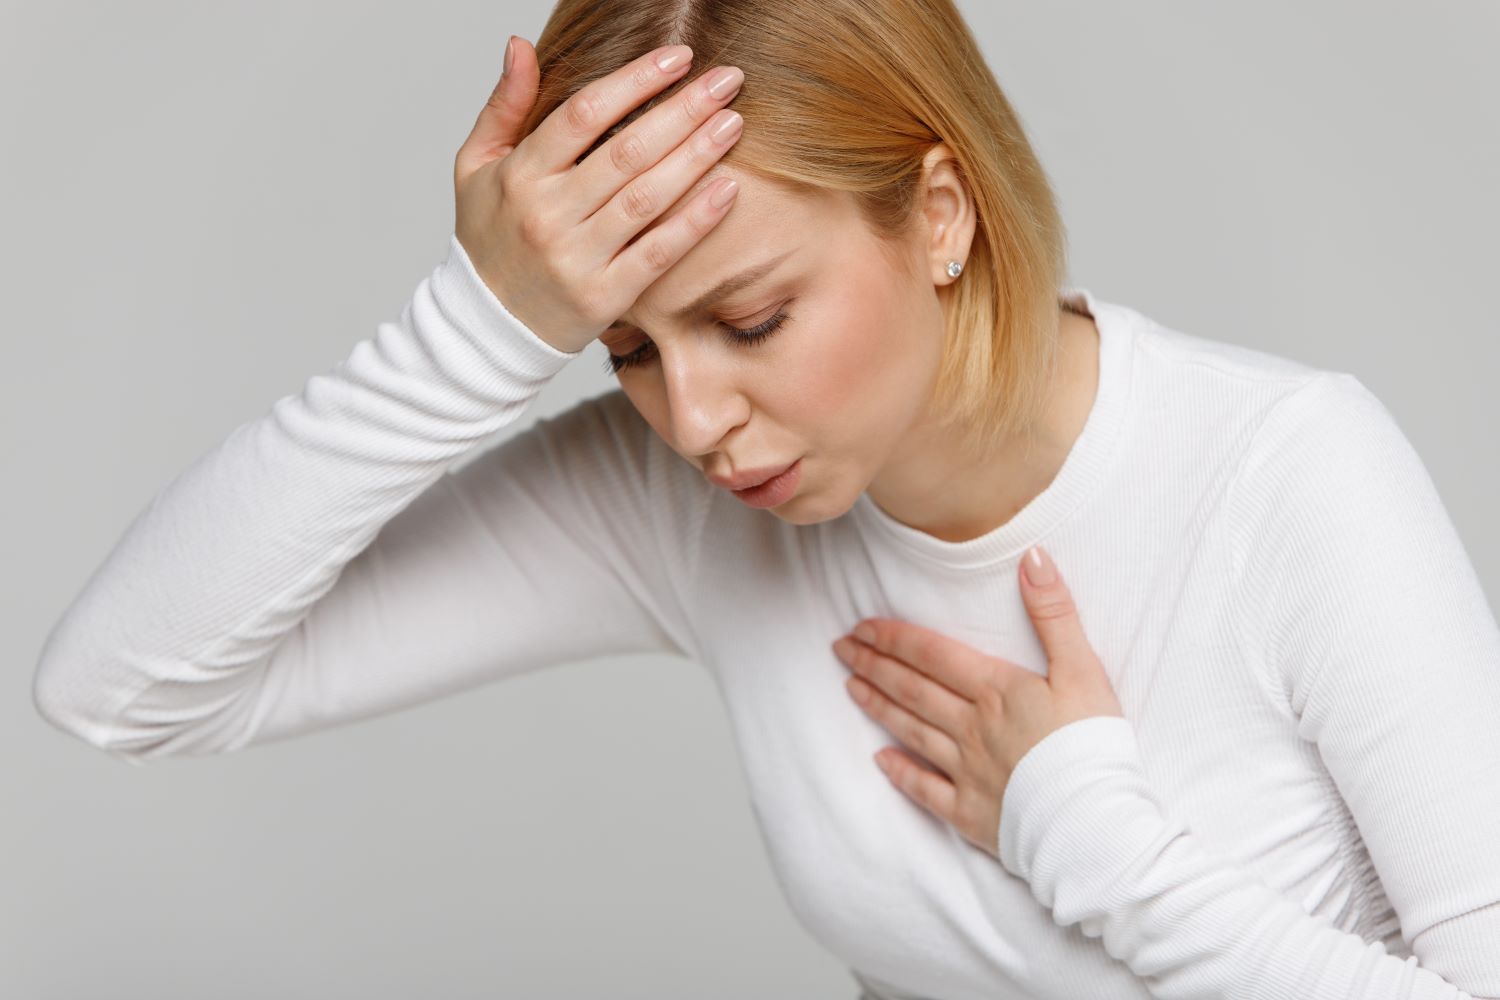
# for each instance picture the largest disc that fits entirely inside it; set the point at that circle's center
(1358, 597)
(1082, 825)
(324, 563)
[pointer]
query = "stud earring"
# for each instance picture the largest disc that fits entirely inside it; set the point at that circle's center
(955, 269)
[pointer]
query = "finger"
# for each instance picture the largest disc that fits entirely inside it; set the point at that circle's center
(575, 124)
(928, 789)
(1053, 613)
(915, 732)
(956, 665)
(497, 130)
(648, 166)
(653, 195)
(909, 688)
(639, 265)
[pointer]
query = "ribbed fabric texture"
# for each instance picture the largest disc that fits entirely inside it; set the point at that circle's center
(1300, 801)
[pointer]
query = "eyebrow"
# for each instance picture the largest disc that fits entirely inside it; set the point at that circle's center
(729, 286)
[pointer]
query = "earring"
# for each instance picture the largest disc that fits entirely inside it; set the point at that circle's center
(955, 269)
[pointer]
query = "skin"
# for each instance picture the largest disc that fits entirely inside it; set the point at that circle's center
(847, 390)
(845, 383)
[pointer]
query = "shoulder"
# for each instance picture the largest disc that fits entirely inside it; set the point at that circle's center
(1275, 412)
(1329, 427)
(1239, 406)
(1331, 493)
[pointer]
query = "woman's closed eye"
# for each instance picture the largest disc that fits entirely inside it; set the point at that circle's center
(615, 363)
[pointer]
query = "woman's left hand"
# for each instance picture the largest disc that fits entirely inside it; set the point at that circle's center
(972, 715)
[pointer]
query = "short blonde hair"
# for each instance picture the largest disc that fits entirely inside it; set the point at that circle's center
(849, 95)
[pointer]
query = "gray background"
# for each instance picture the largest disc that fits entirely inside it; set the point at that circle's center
(205, 204)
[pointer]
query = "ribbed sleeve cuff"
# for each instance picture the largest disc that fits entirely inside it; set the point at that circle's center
(1078, 811)
(463, 294)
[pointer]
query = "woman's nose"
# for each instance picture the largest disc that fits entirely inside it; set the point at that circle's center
(704, 401)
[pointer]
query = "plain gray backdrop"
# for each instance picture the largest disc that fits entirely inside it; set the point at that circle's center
(205, 204)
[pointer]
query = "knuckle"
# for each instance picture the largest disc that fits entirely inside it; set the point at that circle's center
(1052, 608)
(705, 149)
(639, 202)
(536, 229)
(658, 258)
(508, 175)
(643, 75)
(582, 110)
(627, 153)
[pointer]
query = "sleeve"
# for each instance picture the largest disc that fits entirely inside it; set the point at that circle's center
(1358, 597)
(329, 561)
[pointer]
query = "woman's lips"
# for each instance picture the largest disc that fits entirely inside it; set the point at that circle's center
(775, 491)
(753, 477)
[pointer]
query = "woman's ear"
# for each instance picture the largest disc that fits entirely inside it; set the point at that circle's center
(949, 209)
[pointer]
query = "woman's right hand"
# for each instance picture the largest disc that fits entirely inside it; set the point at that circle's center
(545, 232)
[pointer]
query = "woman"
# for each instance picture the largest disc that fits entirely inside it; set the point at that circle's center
(1265, 770)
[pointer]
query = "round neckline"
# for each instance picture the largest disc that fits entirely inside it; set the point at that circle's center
(1082, 469)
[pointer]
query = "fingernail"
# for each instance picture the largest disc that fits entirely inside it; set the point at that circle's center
(1040, 569)
(509, 50)
(674, 57)
(725, 126)
(725, 82)
(725, 192)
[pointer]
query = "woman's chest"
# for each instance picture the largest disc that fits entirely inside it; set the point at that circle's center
(893, 890)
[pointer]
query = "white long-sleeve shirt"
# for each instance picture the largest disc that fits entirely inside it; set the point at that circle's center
(1300, 802)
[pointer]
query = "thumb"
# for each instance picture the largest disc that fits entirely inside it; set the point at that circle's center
(495, 132)
(1053, 613)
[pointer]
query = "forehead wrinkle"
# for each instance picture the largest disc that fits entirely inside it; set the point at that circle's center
(729, 286)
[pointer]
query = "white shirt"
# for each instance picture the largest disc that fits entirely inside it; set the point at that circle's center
(1308, 667)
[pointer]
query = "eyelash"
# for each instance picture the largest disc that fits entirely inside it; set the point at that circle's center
(614, 364)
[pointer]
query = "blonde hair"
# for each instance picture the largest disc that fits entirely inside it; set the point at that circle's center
(849, 95)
